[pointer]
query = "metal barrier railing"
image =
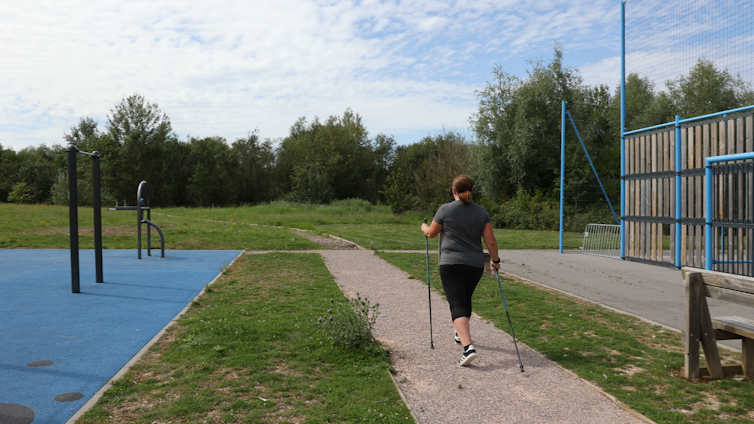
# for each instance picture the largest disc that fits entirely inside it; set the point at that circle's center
(729, 223)
(602, 240)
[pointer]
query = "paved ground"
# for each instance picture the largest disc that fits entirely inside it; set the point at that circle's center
(648, 291)
(59, 348)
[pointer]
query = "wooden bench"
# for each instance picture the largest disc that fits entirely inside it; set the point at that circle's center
(701, 328)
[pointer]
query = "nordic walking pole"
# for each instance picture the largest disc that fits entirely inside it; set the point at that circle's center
(520, 364)
(429, 292)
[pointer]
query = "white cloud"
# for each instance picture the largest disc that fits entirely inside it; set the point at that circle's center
(226, 68)
(606, 71)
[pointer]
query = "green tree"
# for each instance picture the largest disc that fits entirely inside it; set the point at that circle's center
(253, 179)
(210, 181)
(20, 193)
(339, 154)
(38, 167)
(398, 192)
(518, 127)
(142, 136)
(8, 171)
(423, 172)
(707, 89)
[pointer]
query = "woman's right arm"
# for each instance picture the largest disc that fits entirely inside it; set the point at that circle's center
(489, 239)
(433, 230)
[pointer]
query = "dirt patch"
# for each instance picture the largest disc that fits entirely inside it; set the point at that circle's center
(630, 370)
(328, 242)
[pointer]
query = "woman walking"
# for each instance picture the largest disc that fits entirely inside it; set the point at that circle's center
(463, 224)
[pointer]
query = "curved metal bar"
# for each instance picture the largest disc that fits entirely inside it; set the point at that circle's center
(162, 237)
(140, 214)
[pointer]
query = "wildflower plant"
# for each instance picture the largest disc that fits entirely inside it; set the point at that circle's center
(349, 322)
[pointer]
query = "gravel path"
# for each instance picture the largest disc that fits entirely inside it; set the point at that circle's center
(492, 389)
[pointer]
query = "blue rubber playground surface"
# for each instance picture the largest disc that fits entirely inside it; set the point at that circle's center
(59, 344)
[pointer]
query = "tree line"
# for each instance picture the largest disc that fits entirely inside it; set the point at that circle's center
(514, 155)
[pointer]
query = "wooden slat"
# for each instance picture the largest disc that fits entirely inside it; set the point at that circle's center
(642, 195)
(630, 200)
(737, 297)
(747, 357)
(726, 335)
(728, 371)
(653, 200)
(723, 280)
(740, 208)
(699, 196)
(691, 336)
(742, 326)
(709, 344)
(731, 143)
(671, 197)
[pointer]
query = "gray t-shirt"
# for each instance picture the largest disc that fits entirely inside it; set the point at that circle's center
(462, 227)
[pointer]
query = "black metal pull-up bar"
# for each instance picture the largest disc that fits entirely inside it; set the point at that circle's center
(73, 216)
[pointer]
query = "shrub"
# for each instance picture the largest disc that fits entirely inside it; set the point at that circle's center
(527, 212)
(349, 322)
(20, 193)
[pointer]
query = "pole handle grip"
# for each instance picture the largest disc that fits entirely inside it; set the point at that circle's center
(425, 220)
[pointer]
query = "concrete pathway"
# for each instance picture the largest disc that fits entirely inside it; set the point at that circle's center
(492, 390)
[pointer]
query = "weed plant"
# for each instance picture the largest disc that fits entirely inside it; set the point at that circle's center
(349, 322)
(634, 361)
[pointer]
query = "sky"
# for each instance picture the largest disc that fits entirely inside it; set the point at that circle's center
(226, 68)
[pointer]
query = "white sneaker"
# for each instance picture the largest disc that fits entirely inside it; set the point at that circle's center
(469, 354)
(456, 338)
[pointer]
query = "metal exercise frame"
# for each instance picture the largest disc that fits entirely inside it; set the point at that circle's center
(73, 216)
(144, 204)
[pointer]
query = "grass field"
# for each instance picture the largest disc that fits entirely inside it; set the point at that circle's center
(249, 351)
(372, 227)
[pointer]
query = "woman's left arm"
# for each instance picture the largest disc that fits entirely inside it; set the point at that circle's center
(489, 239)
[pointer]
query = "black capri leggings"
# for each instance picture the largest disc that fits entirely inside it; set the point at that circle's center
(459, 282)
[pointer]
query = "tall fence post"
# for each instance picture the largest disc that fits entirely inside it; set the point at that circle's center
(678, 168)
(562, 167)
(73, 219)
(622, 129)
(708, 215)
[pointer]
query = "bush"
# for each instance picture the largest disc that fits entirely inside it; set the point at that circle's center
(349, 322)
(20, 193)
(397, 192)
(527, 212)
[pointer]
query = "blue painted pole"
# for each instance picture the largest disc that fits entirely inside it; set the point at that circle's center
(604, 193)
(562, 167)
(708, 216)
(622, 129)
(678, 191)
